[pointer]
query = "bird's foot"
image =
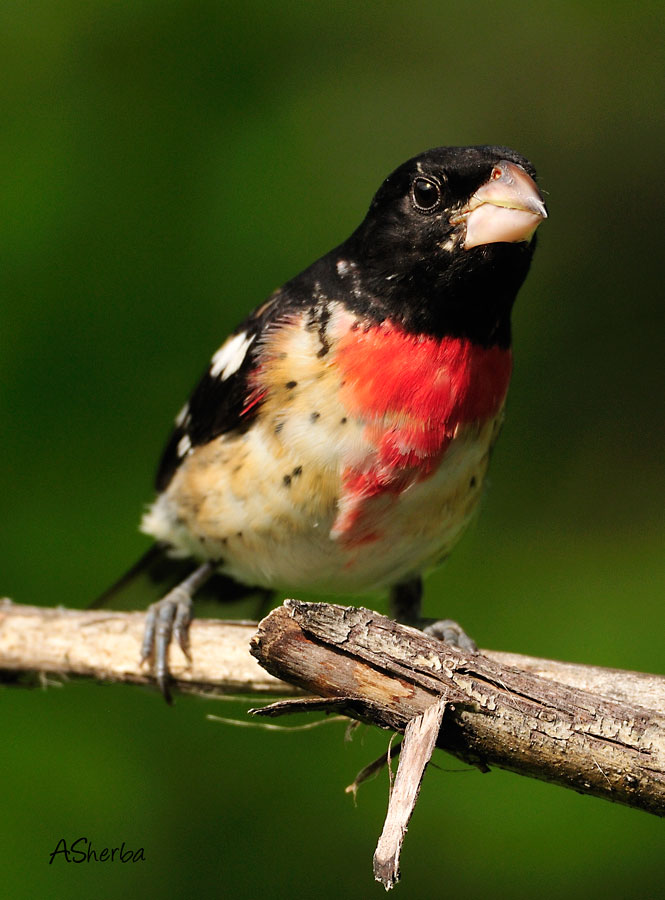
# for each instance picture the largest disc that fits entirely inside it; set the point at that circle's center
(449, 631)
(167, 619)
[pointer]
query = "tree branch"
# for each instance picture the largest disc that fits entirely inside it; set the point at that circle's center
(377, 671)
(106, 645)
(599, 731)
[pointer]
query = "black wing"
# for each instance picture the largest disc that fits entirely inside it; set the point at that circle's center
(222, 401)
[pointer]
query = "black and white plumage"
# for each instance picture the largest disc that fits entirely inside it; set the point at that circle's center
(340, 436)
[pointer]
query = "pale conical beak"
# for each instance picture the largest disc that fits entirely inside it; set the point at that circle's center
(507, 208)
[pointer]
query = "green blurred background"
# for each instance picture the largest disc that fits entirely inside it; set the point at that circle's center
(164, 165)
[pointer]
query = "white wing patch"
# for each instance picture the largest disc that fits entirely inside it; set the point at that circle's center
(184, 445)
(183, 416)
(230, 356)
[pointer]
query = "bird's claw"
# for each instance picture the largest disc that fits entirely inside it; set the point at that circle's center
(170, 618)
(167, 619)
(451, 632)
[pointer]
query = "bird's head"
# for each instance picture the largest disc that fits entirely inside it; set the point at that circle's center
(450, 235)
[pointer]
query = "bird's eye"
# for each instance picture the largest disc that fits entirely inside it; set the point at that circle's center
(426, 194)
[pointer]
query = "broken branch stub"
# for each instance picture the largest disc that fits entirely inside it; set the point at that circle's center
(387, 674)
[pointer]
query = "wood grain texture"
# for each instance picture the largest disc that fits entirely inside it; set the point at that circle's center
(106, 645)
(496, 714)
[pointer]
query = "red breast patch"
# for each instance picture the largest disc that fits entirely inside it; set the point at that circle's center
(413, 392)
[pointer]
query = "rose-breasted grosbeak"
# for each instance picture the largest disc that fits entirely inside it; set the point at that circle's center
(340, 437)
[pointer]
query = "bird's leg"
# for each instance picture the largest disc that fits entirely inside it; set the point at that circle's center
(406, 605)
(406, 601)
(170, 618)
(450, 631)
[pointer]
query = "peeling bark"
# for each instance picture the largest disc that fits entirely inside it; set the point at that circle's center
(387, 674)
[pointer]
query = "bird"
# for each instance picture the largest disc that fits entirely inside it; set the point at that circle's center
(339, 438)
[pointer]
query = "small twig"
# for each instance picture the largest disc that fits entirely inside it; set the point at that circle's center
(268, 726)
(372, 768)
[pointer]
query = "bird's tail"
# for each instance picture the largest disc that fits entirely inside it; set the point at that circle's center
(155, 573)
